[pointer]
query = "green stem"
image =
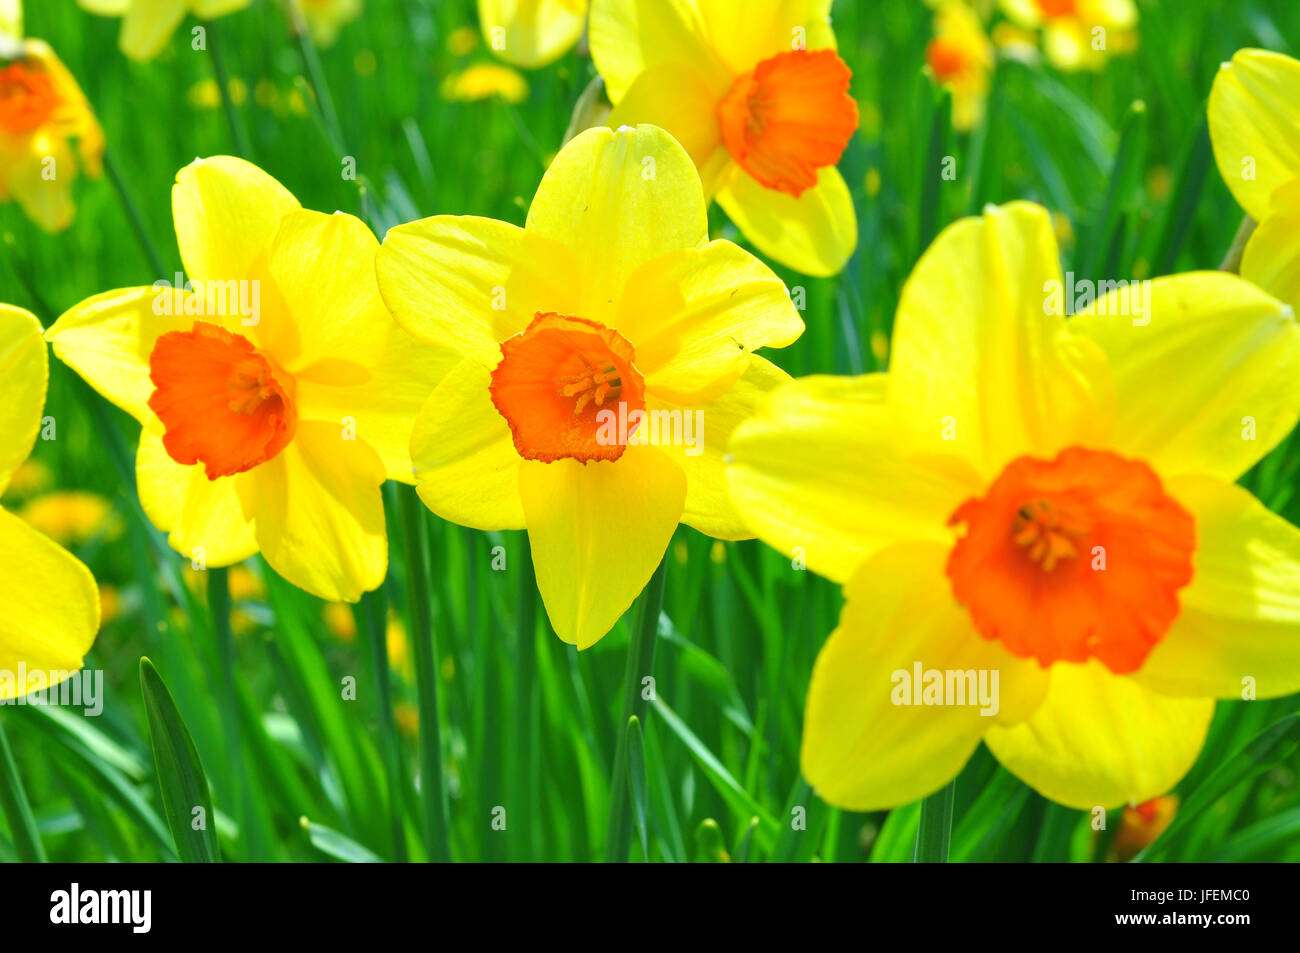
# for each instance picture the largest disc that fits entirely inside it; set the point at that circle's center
(522, 789)
(237, 134)
(432, 787)
(316, 76)
(22, 825)
(936, 826)
(137, 220)
(1232, 261)
(219, 607)
(640, 662)
(374, 614)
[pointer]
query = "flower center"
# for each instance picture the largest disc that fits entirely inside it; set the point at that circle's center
(1073, 558)
(27, 98)
(789, 117)
(223, 403)
(946, 59)
(561, 383)
(1058, 8)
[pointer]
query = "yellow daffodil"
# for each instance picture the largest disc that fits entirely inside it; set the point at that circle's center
(1141, 824)
(325, 18)
(531, 33)
(1255, 130)
(148, 25)
(760, 99)
(1047, 506)
(42, 111)
(960, 58)
(484, 81)
(72, 517)
(274, 390)
(1078, 34)
(50, 611)
(605, 359)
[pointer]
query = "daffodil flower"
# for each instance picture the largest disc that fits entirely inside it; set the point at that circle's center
(1254, 116)
(1045, 501)
(760, 99)
(274, 390)
(1078, 34)
(325, 18)
(42, 110)
(531, 33)
(50, 611)
(960, 58)
(147, 25)
(610, 306)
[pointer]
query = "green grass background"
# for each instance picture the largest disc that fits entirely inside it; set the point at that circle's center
(528, 723)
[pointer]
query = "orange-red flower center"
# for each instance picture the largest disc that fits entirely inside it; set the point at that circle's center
(27, 98)
(1058, 8)
(788, 117)
(561, 383)
(946, 59)
(1074, 558)
(223, 403)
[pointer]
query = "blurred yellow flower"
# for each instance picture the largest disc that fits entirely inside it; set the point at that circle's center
(1078, 34)
(30, 477)
(50, 611)
(960, 58)
(609, 303)
(110, 603)
(147, 25)
(1052, 557)
(408, 719)
(761, 104)
(245, 585)
(274, 390)
(340, 621)
(73, 517)
(1141, 824)
(42, 112)
(206, 94)
(484, 81)
(531, 33)
(325, 18)
(461, 41)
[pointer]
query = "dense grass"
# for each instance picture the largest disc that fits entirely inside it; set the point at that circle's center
(529, 724)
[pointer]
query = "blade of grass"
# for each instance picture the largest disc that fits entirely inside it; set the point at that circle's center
(935, 830)
(13, 799)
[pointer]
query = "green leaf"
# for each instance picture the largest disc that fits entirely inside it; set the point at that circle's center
(636, 780)
(181, 779)
(339, 846)
(13, 801)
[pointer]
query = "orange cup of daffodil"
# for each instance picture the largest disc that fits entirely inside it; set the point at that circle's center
(274, 390)
(1046, 500)
(759, 98)
(50, 612)
(610, 306)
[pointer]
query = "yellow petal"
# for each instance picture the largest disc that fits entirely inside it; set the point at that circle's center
(107, 339)
(210, 9)
(814, 233)
(1101, 740)
(147, 26)
(1227, 357)
(679, 99)
(618, 200)
(1254, 112)
(46, 200)
(744, 33)
(469, 283)
(203, 518)
(597, 533)
(531, 33)
(1240, 616)
(815, 474)
(978, 369)
(709, 507)
(11, 19)
(382, 410)
(50, 611)
(227, 212)
(630, 36)
(1271, 258)
(324, 270)
(465, 459)
(319, 514)
(24, 370)
(694, 315)
(865, 748)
